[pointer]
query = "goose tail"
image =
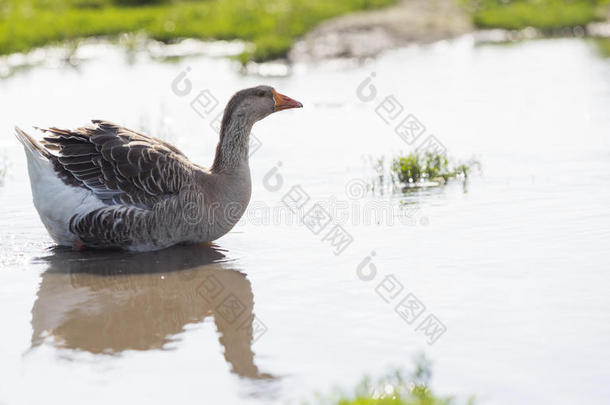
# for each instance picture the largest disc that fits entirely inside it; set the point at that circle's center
(33, 149)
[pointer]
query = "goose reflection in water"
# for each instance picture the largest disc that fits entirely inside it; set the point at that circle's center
(109, 302)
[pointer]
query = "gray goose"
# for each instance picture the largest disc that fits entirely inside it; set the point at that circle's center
(106, 186)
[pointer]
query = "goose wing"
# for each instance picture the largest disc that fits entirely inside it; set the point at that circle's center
(119, 165)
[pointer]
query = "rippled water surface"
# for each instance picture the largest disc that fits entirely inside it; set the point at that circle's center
(515, 264)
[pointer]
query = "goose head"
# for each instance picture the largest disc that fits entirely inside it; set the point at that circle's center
(244, 109)
(251, 105)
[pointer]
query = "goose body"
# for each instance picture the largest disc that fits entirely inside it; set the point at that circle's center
(106, 186)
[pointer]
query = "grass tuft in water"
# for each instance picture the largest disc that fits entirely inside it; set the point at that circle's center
(417, 169)
(545, 15)
(395, 388)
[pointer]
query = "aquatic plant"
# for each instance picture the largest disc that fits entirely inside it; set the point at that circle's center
(394, 388)
(417, 169)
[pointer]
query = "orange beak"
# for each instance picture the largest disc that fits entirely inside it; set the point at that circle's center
(283, 102)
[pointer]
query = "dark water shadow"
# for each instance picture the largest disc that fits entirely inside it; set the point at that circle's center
(116, 262)
(106, 302)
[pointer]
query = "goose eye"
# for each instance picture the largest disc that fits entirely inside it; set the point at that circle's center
(260, 93)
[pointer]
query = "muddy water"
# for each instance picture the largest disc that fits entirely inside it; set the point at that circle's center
(510, 272)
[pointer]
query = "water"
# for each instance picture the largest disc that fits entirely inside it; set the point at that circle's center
(515, 265)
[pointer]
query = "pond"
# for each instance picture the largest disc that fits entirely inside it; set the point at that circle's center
(509, 273)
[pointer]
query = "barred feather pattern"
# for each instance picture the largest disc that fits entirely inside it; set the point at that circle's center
(119, 165)
(135, 228)
(144, 183)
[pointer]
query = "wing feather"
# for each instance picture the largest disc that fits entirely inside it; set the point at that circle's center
(118, 164)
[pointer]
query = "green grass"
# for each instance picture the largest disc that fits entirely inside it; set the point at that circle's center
(416, 168)
(545, 15)
(394, 389)
(271, 25)
(603, 46)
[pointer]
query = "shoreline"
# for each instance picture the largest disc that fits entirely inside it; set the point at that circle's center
(73, 55)
(363, 34)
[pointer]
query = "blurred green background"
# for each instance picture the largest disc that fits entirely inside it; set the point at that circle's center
(546, 15)
(271, 25)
